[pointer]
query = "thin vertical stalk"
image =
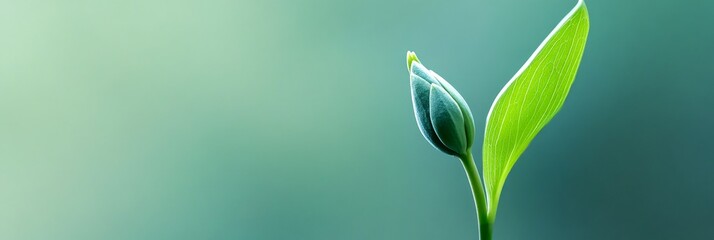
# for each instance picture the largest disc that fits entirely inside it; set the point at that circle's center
(479, 194)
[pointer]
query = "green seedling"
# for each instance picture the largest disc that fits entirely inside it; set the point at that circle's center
(523, 107)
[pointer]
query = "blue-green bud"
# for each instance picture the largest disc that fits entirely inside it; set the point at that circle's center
(442, 114)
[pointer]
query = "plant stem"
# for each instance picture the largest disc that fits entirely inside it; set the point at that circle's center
(477, 188)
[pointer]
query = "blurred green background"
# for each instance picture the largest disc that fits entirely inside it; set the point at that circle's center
(292, 120)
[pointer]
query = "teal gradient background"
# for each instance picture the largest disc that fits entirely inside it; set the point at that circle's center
(292, 120)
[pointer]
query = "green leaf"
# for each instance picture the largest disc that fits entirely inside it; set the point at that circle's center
(531, 99)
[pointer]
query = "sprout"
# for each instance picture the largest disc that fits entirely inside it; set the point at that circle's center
(442, 114)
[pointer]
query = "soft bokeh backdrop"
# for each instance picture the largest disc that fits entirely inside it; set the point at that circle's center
(256, 119)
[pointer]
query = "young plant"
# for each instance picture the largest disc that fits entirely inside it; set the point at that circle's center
(522, 108)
